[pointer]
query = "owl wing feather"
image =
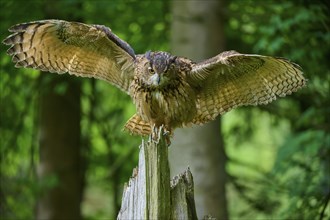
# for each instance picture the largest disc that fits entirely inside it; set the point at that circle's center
(231, 79)
(79, 49)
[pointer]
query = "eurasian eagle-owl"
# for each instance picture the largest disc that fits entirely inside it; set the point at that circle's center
(167, 90)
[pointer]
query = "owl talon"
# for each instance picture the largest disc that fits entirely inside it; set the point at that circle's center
(168, 140)
(168, 135)
(158, 131)
(154, 133)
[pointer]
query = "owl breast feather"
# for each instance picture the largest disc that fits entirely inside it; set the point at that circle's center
(171, 107)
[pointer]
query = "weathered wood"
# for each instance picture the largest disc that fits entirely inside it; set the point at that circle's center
(147, 195)
(157, 177)
(182, 196)
(150, 194)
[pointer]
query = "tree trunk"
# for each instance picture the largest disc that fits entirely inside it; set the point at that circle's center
(198, 33)
(59, 139)
(60, 165)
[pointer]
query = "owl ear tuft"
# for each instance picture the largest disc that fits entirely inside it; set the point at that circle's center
(148, 55)
(172, 59)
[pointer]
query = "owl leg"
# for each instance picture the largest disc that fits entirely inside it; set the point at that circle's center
(168, 135)
(155, 134)
(168, 140)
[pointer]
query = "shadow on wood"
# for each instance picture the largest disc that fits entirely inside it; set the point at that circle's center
(149, 193)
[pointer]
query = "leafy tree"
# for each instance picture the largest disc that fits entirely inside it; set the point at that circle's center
(297, 185)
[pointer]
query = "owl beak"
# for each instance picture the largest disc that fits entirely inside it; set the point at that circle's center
(155, 79)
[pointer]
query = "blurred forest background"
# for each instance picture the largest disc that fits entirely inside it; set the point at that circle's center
(277, 156)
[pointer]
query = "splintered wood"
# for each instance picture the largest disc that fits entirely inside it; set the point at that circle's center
(149, 193)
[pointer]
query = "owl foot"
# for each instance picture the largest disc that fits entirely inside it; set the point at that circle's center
(167, 135)
(168, 140)
(156, 133)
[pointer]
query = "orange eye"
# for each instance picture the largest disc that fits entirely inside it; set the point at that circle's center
(151, 70)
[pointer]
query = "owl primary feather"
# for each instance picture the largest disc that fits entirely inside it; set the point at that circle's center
(169, 91)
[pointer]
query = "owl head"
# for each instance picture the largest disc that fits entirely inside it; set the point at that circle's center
(159, 69)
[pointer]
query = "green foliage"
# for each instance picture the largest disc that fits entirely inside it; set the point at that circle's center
(18, 143)
(297, 185)
(306, 153)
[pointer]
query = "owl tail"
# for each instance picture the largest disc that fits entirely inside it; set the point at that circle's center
(135, 125)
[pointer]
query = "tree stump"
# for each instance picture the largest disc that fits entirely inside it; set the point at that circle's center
(149, 193)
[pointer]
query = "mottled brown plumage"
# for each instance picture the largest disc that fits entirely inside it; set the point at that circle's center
(167, 90)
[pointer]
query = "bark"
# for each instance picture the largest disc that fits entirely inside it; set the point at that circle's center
(198, 33)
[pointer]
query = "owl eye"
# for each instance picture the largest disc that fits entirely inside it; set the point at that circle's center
(151, 70)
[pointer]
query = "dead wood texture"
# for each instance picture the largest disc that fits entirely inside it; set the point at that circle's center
(150, 194)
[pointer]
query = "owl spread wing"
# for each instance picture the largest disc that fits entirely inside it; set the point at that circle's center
(231, 79)
(79, 49)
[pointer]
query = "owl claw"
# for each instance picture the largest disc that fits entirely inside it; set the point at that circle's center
(168, 140)
(167, 135)
(156, 134)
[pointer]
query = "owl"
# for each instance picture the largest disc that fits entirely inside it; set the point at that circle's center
(167, 90)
